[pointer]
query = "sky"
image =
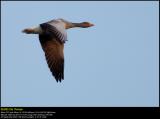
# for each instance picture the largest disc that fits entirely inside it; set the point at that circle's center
(113, 64)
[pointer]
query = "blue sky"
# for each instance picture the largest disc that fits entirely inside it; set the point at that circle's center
(114, 63)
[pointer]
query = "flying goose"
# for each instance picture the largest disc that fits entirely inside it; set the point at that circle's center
(52, 36)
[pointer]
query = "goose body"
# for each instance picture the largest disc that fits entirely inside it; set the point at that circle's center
(52, 36)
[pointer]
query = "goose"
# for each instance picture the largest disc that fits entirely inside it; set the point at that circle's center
(52, 36)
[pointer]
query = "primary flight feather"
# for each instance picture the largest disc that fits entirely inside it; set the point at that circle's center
(52, 36)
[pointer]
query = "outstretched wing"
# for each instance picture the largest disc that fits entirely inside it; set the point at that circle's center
(55, 28)
(54, 55)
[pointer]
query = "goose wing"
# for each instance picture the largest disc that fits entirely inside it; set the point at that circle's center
(55, 28)
(53, 50)
(52, 41)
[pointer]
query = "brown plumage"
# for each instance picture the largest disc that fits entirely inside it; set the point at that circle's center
(52, 36)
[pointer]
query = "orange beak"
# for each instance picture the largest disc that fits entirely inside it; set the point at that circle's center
(91, 24)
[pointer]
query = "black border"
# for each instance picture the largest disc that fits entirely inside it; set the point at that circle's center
(96, 112)
(79, 0)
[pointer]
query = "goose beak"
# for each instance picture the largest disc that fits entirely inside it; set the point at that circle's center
(91, 24)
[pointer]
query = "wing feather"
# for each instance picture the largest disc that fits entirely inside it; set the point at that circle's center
(56, 29)
(54, 55)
